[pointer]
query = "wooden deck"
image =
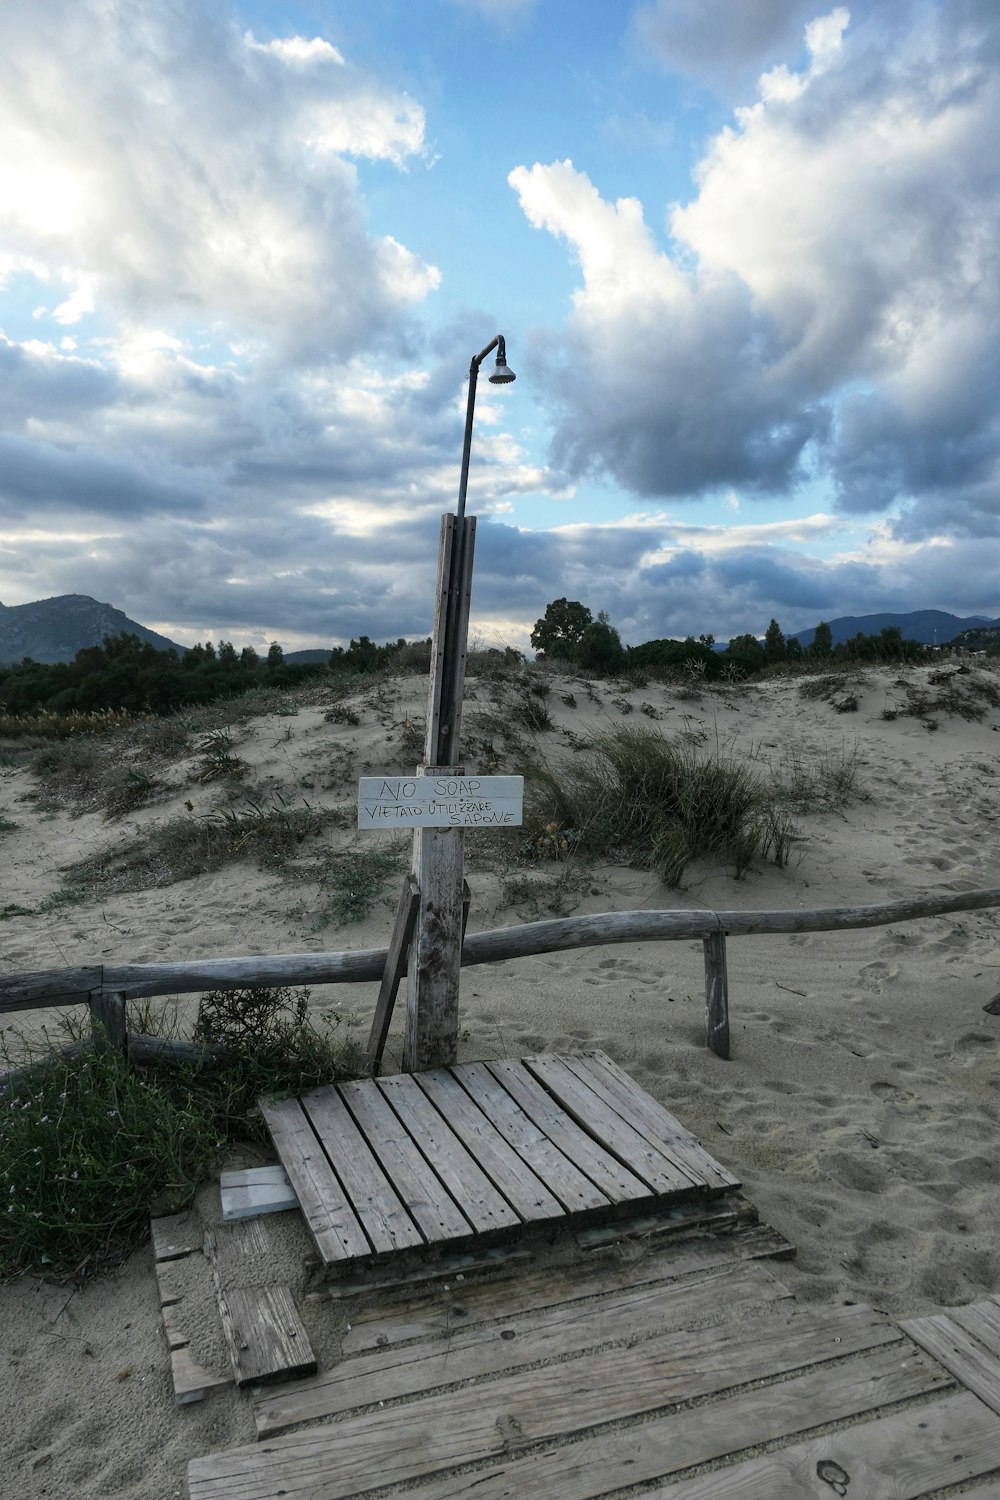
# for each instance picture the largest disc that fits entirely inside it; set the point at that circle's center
(480, 1152)
(690, 1373)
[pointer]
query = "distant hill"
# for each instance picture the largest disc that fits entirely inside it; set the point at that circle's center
(929, 626)
(314, 653)
(51, 630)
(978, 637)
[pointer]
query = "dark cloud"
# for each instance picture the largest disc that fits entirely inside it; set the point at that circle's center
(717, 42)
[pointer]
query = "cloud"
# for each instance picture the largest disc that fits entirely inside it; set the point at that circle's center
(159, 161)
(827, 303)
(716, 41)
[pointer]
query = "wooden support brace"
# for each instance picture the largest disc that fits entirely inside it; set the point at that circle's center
(395, 968)
(107, 1013)
(716, 994)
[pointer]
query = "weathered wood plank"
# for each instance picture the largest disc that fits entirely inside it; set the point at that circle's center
(192, 1381)
(107, 1021)
(193, 1335)
(466, 1306)
(532, 1406)
(257, 1190)
(614, 1181)
(331, 1219)
(175, 1235)
(395, 968)
(596, 1466)
(529, 1197)
(566, 1182)
(899, 1457)
(716, 995)
(432, 976)
(715, 1214)
(485, 1208)
(968, 1360)
(264, 1333)
(429, 1204)
(373, 1198)
(393, 1276)
(612, 1131)
(982, 1320)
(516, 1340)
(647, 1113)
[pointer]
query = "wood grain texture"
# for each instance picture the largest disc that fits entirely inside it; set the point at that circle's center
(331, 1220)
(264, 1333)
(395, 968)
(899, 1457)
(485, 1208)
(616, 1182)
(716, 995)
(586, 1106)
(427, 1201)
(960, 1351)
(432, 974)
(596, 1466)
(533, 1406)
(371, 1194)
(573, 1188)
(515, 1340)
(463, 1307)
(526, 1194)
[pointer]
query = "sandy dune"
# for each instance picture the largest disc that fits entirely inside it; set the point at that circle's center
(862, 1103)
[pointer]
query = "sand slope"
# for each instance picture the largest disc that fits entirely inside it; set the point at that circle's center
(862, 1103)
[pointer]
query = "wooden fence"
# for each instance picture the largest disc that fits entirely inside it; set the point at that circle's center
(106, 987)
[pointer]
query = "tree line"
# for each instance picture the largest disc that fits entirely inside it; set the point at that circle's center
(569, 632)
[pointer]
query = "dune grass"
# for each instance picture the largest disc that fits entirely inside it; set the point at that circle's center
(91, 1147)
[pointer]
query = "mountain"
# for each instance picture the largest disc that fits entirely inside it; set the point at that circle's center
(56, 629)
(932, 627)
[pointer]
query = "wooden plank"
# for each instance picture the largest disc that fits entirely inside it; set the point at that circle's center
(570, 1186)
(716, 994)
(385, 1220)
(975, 1366)
(529, 1197)
(516, 1340)
(532, 1406)
(719, 1214)
(444, 1268)
(465, 1306)
(432, 974)
(426, 1199)
(595, 1466)
(175, 1235)
(982, 1320)
(588, 1109)
(395, 968)
(190, 1326)
(614, 1181)
(258, 1190)
(645, 1111)
(331, 1220)
(192, 1381)
(107, 1019)
(464, 1179)
(898, 1457)
(264, 1333)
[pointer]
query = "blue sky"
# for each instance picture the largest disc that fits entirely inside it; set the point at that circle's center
(744, 254)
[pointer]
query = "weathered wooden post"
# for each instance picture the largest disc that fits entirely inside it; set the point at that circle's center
(439, 801)
(107, 1019)
(716, 994)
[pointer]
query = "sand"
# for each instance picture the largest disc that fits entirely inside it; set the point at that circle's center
(861, 1105)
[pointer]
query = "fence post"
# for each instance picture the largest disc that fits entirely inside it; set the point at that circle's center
(107, 1017)
(716, 994)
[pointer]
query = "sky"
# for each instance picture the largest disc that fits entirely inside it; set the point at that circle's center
(744, 254)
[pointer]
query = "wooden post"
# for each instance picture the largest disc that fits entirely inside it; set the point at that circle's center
(107, 1015)
(395, 963)
(431, 1036)
(716, 994)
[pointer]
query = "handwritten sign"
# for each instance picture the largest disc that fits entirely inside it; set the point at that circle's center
(441, 801)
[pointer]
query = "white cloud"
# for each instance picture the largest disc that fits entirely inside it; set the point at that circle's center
(829, 301)
(164, 162)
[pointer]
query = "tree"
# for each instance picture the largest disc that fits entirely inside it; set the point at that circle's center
(822, 643)
(600, 648)
(248, 657)
(793, 648)
(227, 654)
(561, 628)
(774, 643)
(275, 655)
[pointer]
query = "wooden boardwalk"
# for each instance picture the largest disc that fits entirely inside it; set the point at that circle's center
(690, 1373)
(478, 1153)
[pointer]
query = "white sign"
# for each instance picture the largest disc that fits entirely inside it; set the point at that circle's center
(441, 801)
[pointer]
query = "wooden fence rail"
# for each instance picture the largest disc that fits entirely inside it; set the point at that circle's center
(94, 984)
